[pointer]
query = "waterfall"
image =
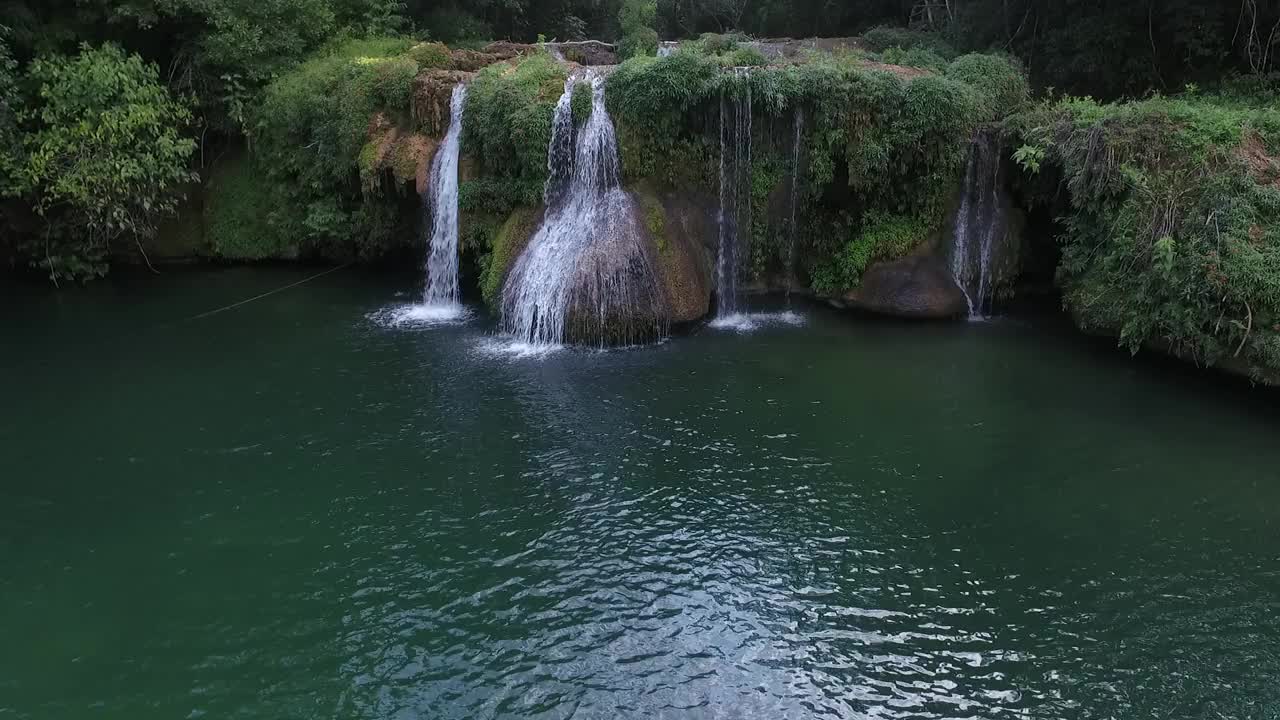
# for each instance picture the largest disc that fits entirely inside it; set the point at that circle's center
(735, 204)
(442, 203)
(979, 224)
(797, 131)
(587, 273)
(667, 48)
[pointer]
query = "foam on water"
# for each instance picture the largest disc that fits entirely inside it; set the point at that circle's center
(747, 322)
(420, 315)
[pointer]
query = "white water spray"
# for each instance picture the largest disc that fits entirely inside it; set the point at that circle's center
(979, 225)
(442, 203)
(797, 131)
(735, 192)
(587, 274)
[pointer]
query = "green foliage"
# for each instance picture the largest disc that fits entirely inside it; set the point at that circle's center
(497, 195)
(716, 44)
(311, 135)
(10, 107)
(642, 42)
(106, 156)
(1000, 82)
(653, 102)
(455, 25)
(636, 20)
(580, 103)
(884, 37)
(916, 57)
(876, 145)
(507, 125)
(238, 203)
(881, 236)
(431, 55)
(1171, 237)
(743, 57)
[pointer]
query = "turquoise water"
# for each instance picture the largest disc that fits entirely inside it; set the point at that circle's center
(292, 510)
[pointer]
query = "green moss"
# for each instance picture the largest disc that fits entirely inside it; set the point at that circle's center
(654, 214)
(368, 159)
(508, 242)
(238, 203)
(404, 162)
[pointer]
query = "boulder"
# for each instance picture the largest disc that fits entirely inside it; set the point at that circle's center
(918, 286)
(682, 229)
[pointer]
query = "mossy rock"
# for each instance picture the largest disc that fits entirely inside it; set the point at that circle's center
(509, 241)
(682, 229)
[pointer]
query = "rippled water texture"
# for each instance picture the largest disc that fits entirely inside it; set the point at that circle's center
(294, 509)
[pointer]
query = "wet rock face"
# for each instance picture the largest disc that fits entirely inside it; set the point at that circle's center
(432, 96)
(918, 287)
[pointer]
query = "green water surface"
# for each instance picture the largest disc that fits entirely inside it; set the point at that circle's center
(293, 510)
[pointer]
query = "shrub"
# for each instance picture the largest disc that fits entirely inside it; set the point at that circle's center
(636, 20)
(715, 44)
(581, 102)
(882, 236)
(431, 55)
(916, 57)
(884, 37)
(998, 79)
(642, 42)
(509, 111)
(106, 157)
(324, 106)
(743, 57)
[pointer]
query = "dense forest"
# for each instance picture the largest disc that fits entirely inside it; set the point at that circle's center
(1142, 134)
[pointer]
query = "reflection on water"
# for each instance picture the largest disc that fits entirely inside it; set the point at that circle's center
(302, 512)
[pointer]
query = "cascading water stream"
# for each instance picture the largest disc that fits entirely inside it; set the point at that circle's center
(795, 196)
(667, 48)
(979, 224)
(442, 203)
(587, 273)
(735, 203)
